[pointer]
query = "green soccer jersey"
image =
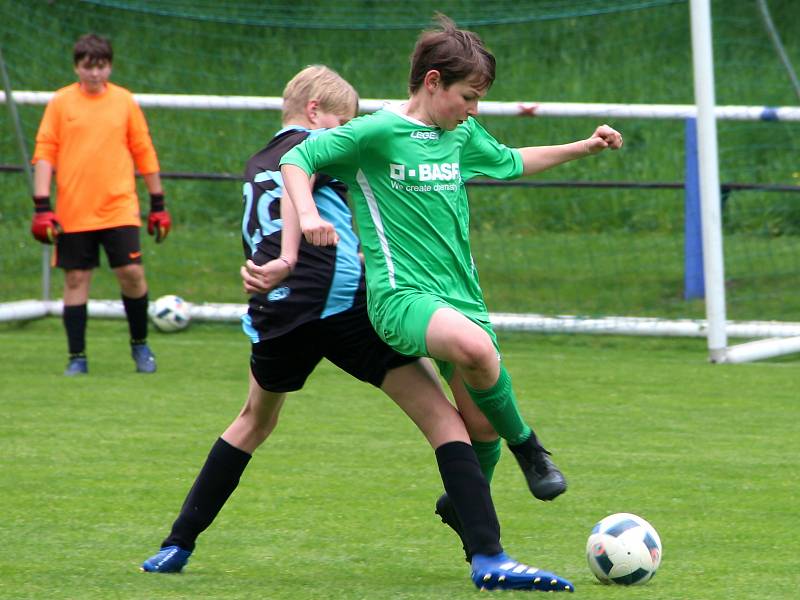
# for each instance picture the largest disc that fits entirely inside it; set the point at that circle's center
(406, 182)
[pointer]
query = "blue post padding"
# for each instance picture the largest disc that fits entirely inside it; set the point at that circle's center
(693, 279)
(769, 114)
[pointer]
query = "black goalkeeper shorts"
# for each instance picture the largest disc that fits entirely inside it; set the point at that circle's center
(81, 250)
(347, 339)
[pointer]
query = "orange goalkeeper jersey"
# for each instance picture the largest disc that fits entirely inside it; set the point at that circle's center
(93, 142)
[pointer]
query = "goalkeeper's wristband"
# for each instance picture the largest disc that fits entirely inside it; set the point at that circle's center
(156, 202)
(41, 204)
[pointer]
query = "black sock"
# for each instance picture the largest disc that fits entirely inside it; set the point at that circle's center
(212, 488)
(136, 311)
(469, 492)
(74, 318)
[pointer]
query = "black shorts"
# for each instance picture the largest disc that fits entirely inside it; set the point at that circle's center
(81, 250)
(283, 364)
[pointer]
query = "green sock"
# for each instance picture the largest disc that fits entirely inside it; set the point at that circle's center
(488, 456)
(499, 405)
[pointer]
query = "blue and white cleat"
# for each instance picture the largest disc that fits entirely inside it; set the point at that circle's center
(77, 366)
(144, 358)
(170, 559)
(501, 572)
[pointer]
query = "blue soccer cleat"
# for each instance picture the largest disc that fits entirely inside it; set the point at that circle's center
(77, 366)
(170, 559)
(501, 572)
(144, 358)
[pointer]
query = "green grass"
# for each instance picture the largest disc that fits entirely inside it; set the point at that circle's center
(632, 273)
(93, 471)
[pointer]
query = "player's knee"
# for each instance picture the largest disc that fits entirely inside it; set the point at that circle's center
(131, 276)
(477, 354)
(75, 280)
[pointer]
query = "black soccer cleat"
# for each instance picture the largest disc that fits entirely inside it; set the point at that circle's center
(447, 512)
(545, 480)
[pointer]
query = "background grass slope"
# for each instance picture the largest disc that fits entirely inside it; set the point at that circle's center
(623, 247)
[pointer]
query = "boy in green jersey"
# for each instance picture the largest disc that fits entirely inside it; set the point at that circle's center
(293, 331)
(406, 167)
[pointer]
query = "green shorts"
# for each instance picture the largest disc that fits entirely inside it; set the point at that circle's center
(402, 322)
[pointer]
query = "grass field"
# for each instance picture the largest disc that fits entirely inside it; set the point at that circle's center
(339, 503)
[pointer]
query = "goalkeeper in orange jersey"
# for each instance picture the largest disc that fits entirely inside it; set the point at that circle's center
(92, 135)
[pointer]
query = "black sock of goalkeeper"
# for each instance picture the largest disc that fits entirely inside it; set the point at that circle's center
(74, 318)
(136, 311)
(212, 488)
(469, 492)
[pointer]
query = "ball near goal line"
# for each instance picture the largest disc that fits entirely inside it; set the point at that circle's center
(170, 313)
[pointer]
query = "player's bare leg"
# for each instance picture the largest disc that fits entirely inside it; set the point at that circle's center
(454, 338)
(415, 389)
(257, 419)
(218, 478)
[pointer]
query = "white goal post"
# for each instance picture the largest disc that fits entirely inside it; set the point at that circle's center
(486, 107)
(710, 204)
(781, 337)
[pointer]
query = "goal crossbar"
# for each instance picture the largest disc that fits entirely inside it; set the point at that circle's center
(487, 107)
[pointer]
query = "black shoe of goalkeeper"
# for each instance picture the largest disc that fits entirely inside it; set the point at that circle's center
(545, 480)
(446, 510)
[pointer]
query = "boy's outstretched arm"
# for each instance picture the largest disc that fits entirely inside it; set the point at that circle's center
(316, 230)
(540, 158)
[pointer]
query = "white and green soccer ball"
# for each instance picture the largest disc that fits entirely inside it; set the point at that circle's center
(170, 313)
(624, 549)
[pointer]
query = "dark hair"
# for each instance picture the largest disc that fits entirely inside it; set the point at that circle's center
(457, 55)
(93, 47)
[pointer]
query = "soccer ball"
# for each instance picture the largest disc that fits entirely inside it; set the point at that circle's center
(170, 313)
(624, 549)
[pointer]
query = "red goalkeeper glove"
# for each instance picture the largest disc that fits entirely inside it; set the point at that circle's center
(44, 227)
(158, 222)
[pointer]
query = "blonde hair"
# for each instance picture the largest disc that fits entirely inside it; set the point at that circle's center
(318, 82)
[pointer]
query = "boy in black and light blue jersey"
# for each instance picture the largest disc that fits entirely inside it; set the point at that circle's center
(406, 167)
(309, 303)
(325, 280)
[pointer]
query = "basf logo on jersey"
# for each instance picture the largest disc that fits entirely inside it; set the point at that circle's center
(417, 178)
